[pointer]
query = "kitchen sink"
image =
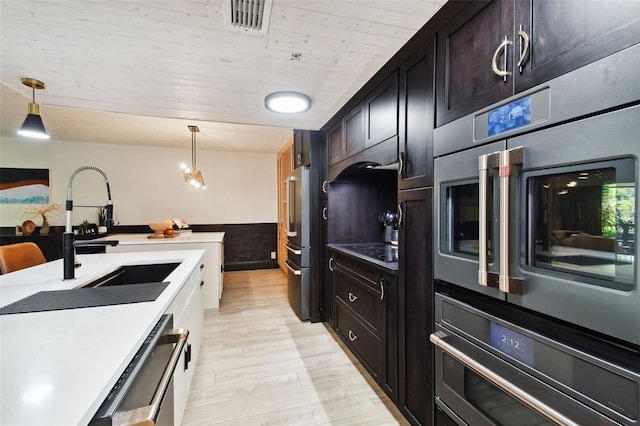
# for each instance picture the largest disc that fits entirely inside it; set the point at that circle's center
(134, 274)
(127, 284)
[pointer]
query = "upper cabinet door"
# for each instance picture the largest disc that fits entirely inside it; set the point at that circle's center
(353, 124)
(301, 148)
(492, 50)
(416, 119)
(466, 46)
(381, 108)
(335, 142)
(565, 35)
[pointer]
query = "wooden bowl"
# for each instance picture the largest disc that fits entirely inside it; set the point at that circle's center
(160, 227)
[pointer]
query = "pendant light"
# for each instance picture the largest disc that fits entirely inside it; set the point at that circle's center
(33, 127)
(193, 175)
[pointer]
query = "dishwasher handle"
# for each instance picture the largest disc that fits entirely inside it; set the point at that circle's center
(148, 415)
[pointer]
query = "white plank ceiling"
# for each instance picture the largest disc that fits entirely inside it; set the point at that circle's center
(137, 72)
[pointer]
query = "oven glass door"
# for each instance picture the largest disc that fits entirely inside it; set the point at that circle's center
(457, 236)
(573, 211)
(497, 405)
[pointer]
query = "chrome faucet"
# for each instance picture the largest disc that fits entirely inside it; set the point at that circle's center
(68, 243)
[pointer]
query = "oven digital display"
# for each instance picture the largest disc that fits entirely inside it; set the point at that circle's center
(511, 116)
(512, 343)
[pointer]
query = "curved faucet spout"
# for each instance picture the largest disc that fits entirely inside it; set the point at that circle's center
(68, 247)
(69, 204)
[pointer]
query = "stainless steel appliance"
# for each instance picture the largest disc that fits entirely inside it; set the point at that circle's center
(537, 200)
(492, 372)
(299, 242)
(144, 392)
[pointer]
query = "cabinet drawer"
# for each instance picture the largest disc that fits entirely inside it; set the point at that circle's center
(361, 298)
(365, 345)
(369, 274)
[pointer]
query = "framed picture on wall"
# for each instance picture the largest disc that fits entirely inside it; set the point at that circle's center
(24, 186)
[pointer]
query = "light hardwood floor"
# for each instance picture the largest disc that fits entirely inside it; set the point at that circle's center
(259, 365)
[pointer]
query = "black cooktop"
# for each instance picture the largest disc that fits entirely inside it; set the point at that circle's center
(379, 251)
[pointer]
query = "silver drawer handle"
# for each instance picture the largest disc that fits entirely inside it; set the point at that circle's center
(148, 415)
(352, 297)
(439, 339)
(331, 264)
(324, 213)
(352, 336)
(325, 187)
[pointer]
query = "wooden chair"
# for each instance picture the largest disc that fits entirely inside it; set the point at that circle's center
(14, 257)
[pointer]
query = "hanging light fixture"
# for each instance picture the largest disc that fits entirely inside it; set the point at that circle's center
(193, 175)
(33, 126)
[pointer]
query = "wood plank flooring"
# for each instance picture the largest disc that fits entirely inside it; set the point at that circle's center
(260, 365)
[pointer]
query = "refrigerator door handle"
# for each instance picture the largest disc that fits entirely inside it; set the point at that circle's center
(294, 271)
(292, 250)
(290, 205)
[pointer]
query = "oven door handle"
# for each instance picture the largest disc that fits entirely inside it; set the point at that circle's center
(148, 415)
(485, 162)
(483, 177)
(507, 159)
(439, 339)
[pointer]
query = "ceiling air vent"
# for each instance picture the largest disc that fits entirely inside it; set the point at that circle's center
(249, 16)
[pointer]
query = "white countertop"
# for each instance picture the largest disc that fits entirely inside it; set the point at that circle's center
(189, 237)
(57, 367)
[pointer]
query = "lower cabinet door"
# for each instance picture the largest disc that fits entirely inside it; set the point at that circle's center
(363, 343)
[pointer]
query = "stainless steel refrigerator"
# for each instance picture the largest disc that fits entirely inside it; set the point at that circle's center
(299, 244)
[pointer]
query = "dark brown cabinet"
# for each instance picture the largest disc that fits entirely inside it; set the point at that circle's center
(353, 124)
(381, 112)
(316, 156)
(415, 306)
(565, 35)
(416, 119)
(372, 120)
(335, 141)
(365, 316)
(302, 147)
(493, 49)
(326, 293)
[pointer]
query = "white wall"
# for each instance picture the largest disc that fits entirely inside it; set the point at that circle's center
(146, 183)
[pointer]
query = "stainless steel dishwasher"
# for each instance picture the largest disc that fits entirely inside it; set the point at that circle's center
(144, 392)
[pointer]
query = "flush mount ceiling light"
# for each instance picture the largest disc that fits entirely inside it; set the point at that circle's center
(287, 102)
(193, 175)
(33, 127)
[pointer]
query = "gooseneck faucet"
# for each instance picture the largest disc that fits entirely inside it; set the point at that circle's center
(68, 243)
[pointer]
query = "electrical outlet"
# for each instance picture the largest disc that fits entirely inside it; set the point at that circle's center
(273, 254)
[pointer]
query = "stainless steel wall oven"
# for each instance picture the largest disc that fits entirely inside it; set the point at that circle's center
(537, 209)
(490, 371)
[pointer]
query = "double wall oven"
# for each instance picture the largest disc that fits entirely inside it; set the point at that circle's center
(538, 303)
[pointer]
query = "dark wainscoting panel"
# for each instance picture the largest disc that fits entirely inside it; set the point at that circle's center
(246, 246)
